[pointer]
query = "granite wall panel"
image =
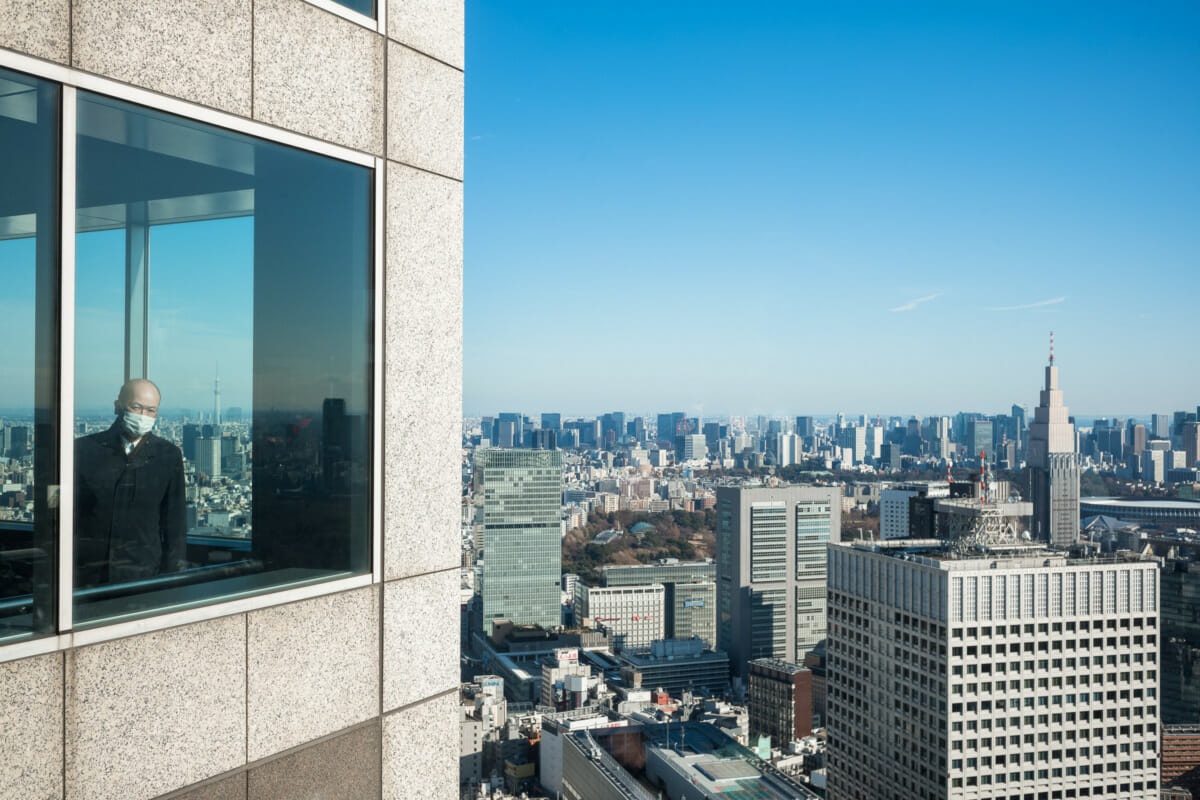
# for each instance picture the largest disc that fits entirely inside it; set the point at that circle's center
(194, 51)
(313, 669)
(153, 713)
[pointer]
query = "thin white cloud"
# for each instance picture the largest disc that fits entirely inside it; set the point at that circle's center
(911, 304)
(1038, 304)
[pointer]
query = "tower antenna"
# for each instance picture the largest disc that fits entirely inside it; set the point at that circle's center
(1052, 347)
(982, 477)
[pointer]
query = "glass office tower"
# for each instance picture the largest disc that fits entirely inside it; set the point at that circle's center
(522, 536)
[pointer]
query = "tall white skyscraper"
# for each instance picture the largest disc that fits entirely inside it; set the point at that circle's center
(999, 673)
(1053, 466)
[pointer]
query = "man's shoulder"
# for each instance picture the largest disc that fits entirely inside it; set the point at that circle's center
(161, 446)
(104, 439)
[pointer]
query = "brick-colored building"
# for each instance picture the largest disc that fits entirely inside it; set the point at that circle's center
(780, 700)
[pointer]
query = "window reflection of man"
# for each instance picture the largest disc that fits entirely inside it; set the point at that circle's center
(130, 518)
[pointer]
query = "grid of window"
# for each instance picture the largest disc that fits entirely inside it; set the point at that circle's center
(968, 707)
(768, 542)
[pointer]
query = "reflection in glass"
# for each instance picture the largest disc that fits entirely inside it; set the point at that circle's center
(29, 255)
(361, 6)
(235, 274)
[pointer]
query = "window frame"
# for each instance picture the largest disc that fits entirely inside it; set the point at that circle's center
(378, 23)
(71, 81)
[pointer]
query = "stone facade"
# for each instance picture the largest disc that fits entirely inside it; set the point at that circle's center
(342, 695)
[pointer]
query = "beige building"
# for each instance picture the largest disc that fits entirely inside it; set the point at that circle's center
(300, 163)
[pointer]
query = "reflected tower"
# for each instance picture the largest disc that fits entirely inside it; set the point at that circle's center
(217, 398)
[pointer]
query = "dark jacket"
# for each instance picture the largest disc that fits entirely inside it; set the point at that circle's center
(130, 517)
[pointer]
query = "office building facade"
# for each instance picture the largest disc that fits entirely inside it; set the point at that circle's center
(893, 505)
(1191, 444)
(303, 159)
(522, 536)
(771, 570)
(633, 616)
(998, 673)
(1053, 467)
(689, 599)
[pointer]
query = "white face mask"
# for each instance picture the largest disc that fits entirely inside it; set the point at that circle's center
(136, 425)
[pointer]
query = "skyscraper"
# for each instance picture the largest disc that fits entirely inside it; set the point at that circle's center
(1191, 443)
(1011, 672)
(771, 570)
(1053, 466)
(522, 546)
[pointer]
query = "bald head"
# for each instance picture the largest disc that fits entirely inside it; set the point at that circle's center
(140, 396)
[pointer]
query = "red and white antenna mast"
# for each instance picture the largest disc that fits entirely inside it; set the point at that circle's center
(982, 477)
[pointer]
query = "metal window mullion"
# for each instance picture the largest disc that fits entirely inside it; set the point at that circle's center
(378, 220)
(66, 397)
(137, 290)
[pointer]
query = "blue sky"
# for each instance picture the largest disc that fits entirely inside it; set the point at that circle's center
(866, 207)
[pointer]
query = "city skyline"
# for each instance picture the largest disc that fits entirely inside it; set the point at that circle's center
(773, 208)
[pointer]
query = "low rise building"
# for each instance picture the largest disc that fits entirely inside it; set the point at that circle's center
(676, 666)
(780, 701)
(1181, 758)
(633, 616)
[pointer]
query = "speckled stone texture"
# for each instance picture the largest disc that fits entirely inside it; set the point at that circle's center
(31, 728)
(195, 51)
(318, 74)
(38, 27)
(420, 637)
(154, 713)
(231, 788)
(419, 751)
(345, 767)
(435, 27)
(422, 372)
(314, 669)
(425, 112)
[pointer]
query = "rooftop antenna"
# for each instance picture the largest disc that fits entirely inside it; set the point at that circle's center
(1051, 348)
(982, 477)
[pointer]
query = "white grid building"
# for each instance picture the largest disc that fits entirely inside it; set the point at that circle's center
(1019, 676)
(634, 616)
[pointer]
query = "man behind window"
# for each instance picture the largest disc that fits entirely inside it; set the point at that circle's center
(130, 518)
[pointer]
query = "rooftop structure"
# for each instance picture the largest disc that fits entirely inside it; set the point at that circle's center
(684, 760)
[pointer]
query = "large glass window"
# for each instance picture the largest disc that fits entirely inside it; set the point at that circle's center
(29, 264)
(223, 364)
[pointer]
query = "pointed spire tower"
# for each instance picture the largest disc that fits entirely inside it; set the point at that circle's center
(1053, 465)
